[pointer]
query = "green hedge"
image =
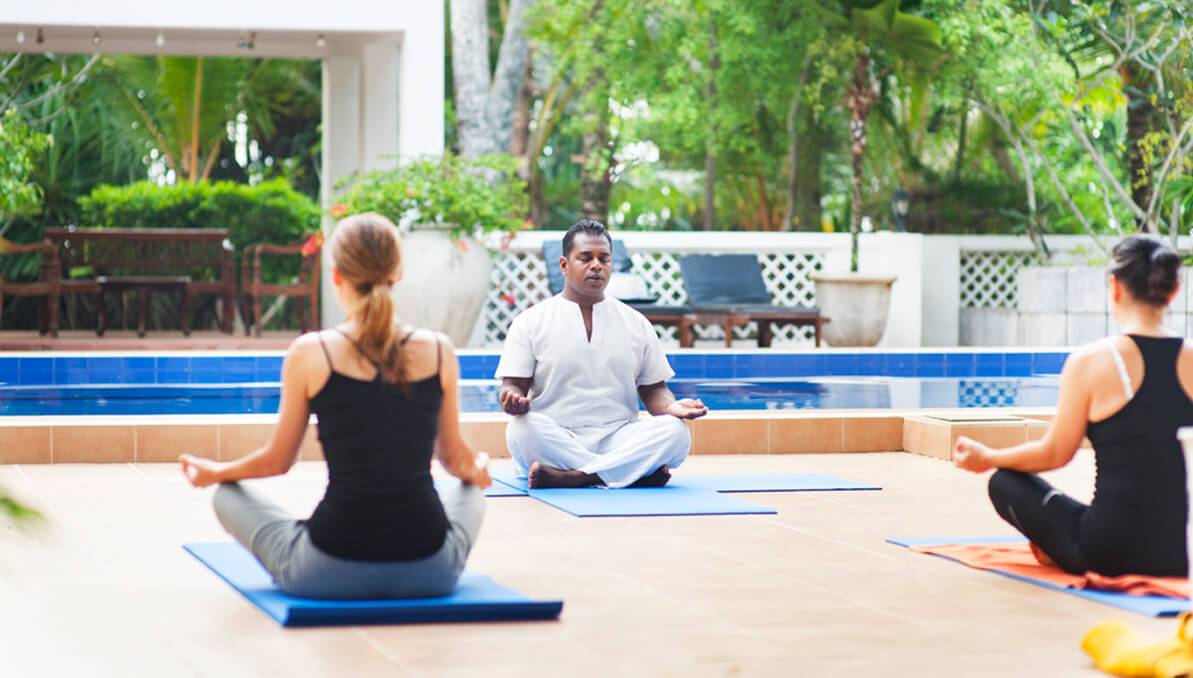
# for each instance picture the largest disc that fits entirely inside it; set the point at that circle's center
(268, 212)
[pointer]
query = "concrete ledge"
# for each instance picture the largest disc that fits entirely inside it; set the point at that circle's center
(936, 435)
(144, 439)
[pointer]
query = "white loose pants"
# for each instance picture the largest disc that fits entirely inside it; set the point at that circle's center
(619, 454)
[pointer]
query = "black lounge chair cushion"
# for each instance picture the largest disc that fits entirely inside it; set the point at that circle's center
(723, 280)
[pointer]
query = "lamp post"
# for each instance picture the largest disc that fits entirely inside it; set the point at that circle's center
(900, 206)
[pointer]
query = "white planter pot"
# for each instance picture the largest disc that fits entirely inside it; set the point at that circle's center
(856, 305)
(443, 287)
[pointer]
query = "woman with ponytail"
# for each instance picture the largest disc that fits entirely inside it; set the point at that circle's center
(1129, 394)
(386, 399)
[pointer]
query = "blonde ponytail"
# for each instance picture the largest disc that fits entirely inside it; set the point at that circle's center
(366, 252)
(378, 334)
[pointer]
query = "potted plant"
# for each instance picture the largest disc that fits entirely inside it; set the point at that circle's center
(444, 206)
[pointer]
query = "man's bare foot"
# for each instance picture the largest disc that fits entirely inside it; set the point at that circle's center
(1041, 556)
(656, 478)
(542, 477)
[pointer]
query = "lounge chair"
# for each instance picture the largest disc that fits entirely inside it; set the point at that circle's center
(678, 316)
(728, 290)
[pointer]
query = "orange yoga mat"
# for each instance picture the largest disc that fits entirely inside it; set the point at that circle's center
(1017, 559)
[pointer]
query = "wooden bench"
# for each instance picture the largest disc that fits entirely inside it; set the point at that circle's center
(200, 260)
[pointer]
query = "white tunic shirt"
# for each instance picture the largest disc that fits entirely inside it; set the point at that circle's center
(579, 382)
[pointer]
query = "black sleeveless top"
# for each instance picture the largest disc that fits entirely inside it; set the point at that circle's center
(380, 503)
(1136, 522)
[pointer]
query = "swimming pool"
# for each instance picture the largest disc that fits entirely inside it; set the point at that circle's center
(181, 383)
(763, 394)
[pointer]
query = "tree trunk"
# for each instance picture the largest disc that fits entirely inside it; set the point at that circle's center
(807, 196)
(763, 204)
(485, 105)
(793, 149)
(470, 75)
(1140, 113)
(520, 141)
(710, 153)
(595, 184)
(961, 137)
(858, 100)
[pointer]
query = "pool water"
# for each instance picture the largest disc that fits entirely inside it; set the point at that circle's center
(481, 396)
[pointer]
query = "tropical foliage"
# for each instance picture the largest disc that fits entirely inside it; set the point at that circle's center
(465, 196)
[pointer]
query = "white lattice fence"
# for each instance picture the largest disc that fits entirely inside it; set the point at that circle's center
(990, 279)
(519, 281)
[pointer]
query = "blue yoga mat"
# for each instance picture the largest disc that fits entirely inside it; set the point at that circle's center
(757, 482)
(476, 598)
(646, 501)
(1152, 606)
(671, 500)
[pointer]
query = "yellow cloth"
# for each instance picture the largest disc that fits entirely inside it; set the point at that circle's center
(1119, 649)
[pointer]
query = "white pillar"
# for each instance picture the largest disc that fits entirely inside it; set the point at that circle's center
(341, 150)
(379, 106)
(900, 255)
(941, 291)
(421, 88)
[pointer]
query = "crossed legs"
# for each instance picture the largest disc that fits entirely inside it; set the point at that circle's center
(640, 452)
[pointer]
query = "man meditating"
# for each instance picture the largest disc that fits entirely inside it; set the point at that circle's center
(572, 371)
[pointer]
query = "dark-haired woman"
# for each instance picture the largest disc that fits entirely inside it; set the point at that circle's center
(1129, 393)
(386, 399)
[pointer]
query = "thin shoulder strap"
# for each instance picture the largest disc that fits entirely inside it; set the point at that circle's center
(358, 348)
(326, 353)
(438, 349)
(1122, 369)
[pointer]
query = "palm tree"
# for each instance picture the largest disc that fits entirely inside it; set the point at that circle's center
(878, 30)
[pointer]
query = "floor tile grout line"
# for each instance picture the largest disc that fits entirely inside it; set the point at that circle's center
(380, 649)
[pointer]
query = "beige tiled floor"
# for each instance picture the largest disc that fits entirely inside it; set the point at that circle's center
(106, 589)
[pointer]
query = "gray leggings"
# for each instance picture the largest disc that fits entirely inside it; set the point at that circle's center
(284, 547)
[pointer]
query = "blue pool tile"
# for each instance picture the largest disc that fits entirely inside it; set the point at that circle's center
(901, 364)
(871, 364)
(10, 370)
(990, 365)
(748, 367)
(840, 364)
(1047, 363)
(70, 371)
(104, 370)
(929, 365)
(489, 366)
(206, 377)
(207, 364)
(959, 365)
(687, 366)
(271, 363)
(806, 366)
(238, 363)
(35, 371)
(778, 365)
(718, 367)
(1017, 365)
(172, 377)
(172, 364)
(141, 376)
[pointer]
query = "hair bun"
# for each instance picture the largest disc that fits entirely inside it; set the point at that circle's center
(1148, 268)
(1162, 277)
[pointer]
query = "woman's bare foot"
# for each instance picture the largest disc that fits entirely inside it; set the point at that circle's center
(1041, 556)
(657, 478)
(542, 477)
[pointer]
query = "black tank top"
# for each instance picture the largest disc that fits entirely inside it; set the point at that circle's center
(380, 503)
(1136, 522)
